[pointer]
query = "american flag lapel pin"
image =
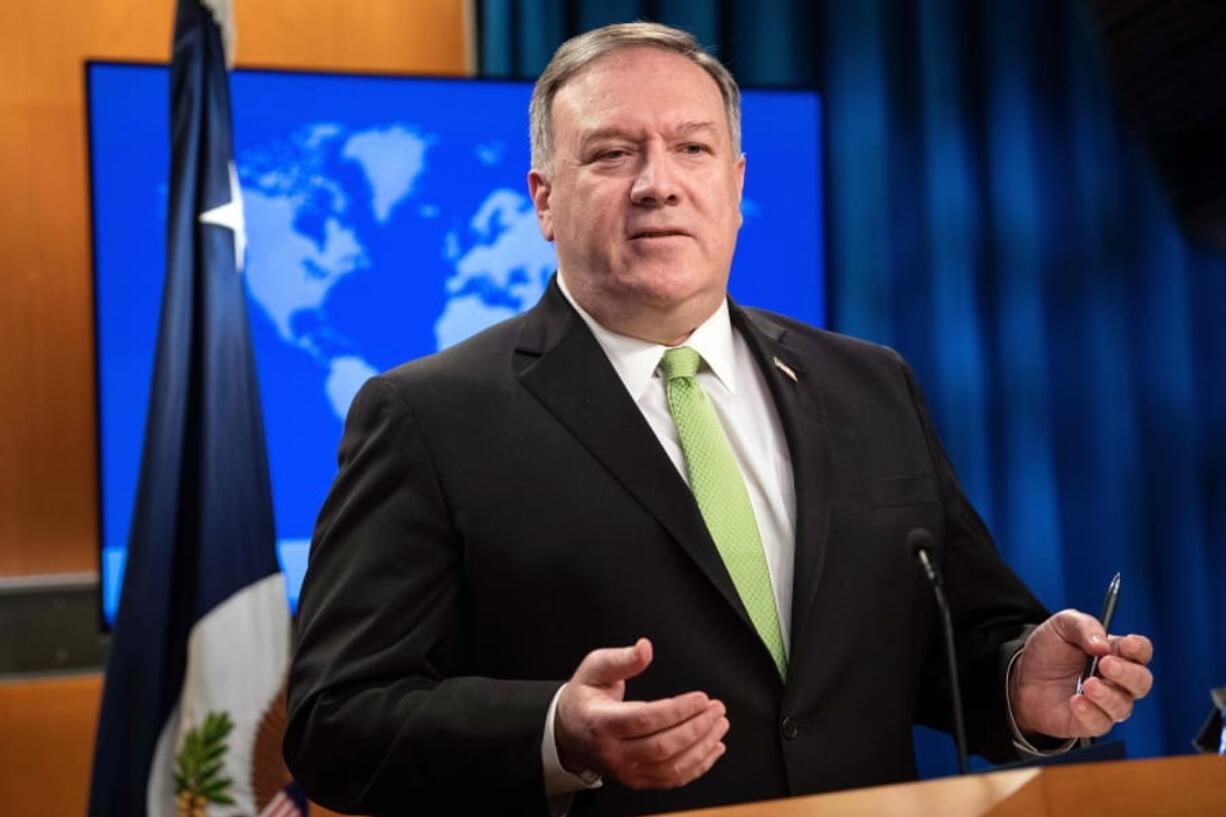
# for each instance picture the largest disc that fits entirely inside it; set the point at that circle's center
(786, 369)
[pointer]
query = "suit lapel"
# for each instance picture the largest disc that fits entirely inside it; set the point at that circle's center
(561, 364)
(802, 413)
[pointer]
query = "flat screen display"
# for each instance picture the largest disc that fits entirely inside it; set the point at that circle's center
(387, 218)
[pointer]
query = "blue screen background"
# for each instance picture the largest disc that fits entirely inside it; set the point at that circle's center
(407, 291)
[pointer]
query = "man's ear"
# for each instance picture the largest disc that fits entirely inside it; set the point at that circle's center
(740, 189)
(539, 189)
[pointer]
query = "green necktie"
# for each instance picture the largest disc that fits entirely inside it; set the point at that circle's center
(715, 479)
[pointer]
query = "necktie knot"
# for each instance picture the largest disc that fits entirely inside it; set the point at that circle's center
(680, 362)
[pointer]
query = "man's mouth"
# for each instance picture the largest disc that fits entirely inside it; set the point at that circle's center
(660, 233)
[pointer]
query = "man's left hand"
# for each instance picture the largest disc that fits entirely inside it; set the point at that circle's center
(1043, 685)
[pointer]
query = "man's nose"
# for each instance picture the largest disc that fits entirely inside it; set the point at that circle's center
(655, 184)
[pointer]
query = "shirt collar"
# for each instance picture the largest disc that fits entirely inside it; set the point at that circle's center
(636, 360)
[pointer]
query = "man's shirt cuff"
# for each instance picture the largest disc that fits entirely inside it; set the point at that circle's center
(558, 781)
(1023, 746)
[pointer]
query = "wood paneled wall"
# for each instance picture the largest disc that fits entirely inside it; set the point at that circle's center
(47, 745)
(48, 483)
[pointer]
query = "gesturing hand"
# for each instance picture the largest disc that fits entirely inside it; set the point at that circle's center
(1044, 681)
(642, 744)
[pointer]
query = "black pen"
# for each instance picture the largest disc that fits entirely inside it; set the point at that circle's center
(1109, 603)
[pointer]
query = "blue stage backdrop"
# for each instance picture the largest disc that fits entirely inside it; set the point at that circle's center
(387, 218)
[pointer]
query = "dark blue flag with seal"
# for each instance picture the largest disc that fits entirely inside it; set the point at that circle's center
(193, 703)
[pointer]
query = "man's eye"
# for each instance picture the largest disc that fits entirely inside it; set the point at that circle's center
(613, 153)
(694, 148)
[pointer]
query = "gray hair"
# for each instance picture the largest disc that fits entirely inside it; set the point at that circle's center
(578, 52)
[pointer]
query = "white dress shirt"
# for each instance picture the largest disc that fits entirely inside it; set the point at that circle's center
(742, 401)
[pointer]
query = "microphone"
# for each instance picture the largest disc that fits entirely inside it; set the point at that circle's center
(919, 542)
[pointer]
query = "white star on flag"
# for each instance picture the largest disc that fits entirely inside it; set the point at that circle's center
(230, 216)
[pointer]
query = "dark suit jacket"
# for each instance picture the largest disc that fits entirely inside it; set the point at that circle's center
(503, 508)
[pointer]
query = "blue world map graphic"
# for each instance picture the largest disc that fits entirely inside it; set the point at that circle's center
(387, 218)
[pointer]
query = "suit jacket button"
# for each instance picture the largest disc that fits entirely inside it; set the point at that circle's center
(788, 728)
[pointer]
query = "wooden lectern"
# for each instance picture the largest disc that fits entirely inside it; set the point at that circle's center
(1191, 786)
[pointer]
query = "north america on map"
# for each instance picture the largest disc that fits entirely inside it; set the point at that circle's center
(330, 204)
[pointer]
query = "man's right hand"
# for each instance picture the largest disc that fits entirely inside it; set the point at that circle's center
(640, 744)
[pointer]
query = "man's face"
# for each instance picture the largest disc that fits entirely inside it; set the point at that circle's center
(643, 199)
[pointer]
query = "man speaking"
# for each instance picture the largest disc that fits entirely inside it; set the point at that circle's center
(642, 549)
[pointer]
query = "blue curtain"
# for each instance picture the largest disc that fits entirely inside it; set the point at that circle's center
(992, 219)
